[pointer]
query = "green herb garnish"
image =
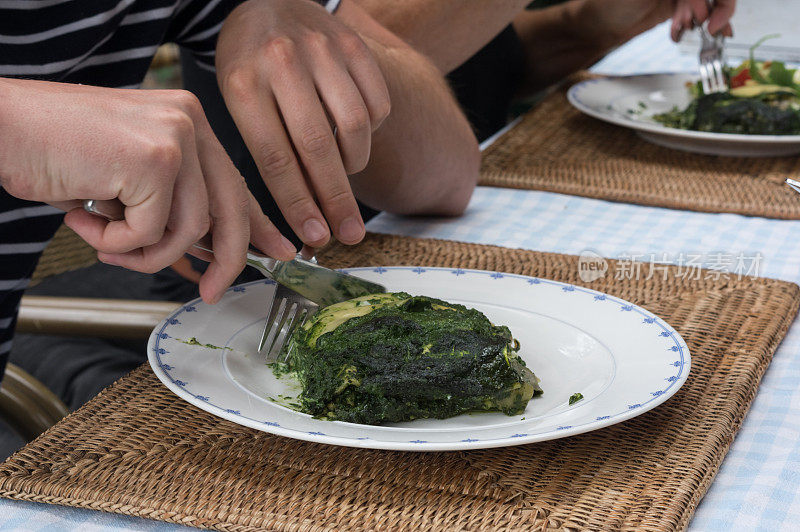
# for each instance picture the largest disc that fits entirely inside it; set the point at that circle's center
(575, 397)
(194, 341)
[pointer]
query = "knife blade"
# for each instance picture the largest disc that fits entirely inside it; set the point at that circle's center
(317, 283)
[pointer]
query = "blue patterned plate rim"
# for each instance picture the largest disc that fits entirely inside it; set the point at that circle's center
(574, 95)
(673, 382)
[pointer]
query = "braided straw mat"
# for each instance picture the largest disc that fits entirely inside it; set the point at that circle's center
(137, 449)
(66, 251)
(559, 149)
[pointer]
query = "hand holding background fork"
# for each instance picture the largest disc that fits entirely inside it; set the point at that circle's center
(688, 13)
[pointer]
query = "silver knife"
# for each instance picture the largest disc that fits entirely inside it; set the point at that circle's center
(321, 285)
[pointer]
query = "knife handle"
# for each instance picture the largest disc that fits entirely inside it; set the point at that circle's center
(111, 210)
(114, 210)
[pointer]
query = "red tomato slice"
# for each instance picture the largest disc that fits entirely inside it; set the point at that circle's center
(739, 79)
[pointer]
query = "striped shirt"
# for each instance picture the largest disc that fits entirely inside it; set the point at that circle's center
(107, 43)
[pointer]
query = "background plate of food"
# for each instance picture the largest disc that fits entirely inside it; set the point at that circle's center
(599, 360)
(758, 117)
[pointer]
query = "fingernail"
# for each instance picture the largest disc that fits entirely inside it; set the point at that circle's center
(314, 230)
(351, 229)
(287, 244)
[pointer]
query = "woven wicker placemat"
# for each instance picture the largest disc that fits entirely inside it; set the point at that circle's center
(65, 252)
(137, 449)
(559, 149)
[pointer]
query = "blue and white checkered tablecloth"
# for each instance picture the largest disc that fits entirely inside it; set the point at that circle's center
(757, 486)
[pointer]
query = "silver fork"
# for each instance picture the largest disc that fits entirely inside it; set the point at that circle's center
(712, 76)
(288, 311)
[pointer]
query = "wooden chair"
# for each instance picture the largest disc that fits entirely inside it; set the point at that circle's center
(26, 404)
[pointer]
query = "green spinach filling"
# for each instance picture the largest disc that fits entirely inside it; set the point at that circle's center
(765, 114)
(393, 357)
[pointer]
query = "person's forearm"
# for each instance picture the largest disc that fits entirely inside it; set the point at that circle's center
(424, 157)
(557, 42)
(447, 31)
(564, 38)
(8, 134)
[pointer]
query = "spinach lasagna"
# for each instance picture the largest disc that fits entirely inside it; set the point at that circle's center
(393, 357)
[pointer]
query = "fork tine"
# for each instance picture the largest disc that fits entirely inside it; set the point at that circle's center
(722, 83)
(289, 310)
(705, 79)
(273, 320)
(300, 319)
(280, 339)
(712, 77)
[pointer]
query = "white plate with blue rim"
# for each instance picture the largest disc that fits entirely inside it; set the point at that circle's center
(631, 101)
(623, 359)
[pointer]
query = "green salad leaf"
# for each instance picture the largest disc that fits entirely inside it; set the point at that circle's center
(764, 100)
(755, 72)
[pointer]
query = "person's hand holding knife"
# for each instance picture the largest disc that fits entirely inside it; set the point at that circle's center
(285, 67)
(154, 151)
